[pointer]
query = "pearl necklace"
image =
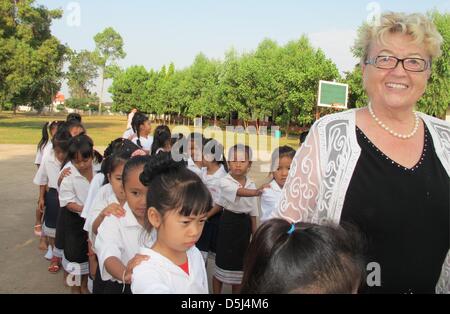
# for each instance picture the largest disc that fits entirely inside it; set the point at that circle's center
(384, 126)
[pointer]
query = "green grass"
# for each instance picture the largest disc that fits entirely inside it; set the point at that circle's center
(25, 128)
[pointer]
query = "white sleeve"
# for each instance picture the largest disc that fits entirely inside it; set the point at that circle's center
(41, 177)
(94, 187)
(96, 208)
(147, 280)
(66, 192)
(108, 242)
(228, 193)
(38, 159)
(300, 193)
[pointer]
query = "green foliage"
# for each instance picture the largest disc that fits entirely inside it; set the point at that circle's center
(31, 59)
(81, 74)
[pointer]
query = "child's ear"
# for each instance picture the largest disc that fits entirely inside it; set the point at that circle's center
(154, 217)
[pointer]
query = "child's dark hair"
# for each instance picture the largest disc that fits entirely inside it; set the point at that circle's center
(213, 147)
(62, 137)
(138, 119)
(303, 258)
(76, 124)
(303, 136)
(133, 163)
(161, 137)
(171, 186)
(280, 152)
(121, 149)
(48, 126)
(73, 117)
(240, 148)
(80, 145)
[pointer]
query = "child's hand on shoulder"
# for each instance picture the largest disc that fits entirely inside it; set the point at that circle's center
(64, 173)
(135, 261)
(113, 209)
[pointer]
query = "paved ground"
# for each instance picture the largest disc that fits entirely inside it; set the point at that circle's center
(23, 268)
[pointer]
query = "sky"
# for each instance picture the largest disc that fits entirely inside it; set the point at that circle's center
(157, 32)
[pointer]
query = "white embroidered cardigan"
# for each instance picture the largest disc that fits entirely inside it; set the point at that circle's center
(323, 167)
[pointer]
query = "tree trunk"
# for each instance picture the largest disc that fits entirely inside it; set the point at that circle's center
(215, 120)
(102, 80)
(287, 129)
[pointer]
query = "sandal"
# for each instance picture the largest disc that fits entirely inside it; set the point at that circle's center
(54, 266)
(38, 230)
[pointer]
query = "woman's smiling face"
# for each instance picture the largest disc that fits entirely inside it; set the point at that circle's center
(395, 88)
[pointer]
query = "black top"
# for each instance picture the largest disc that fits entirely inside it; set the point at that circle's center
(405, 215)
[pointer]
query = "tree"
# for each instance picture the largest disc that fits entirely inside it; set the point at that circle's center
(31, 59)
(129, 89)
(436, 99)
(357, 97)
(81, 73)
(108, 49)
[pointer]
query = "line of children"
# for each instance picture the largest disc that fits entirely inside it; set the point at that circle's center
(178, 212)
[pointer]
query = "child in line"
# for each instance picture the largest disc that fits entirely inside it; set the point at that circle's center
(178, 203)
(49, 127)
(120, 226)
(215, 169)
(238, 197)
(281, 163)
(195, 143)
(142, 127)
(161, 140)
(73, 193)
(47, 179)
(303, 258)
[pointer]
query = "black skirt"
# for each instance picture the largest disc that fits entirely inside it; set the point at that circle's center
(60, 230)
(233, 240)
(51, 208)
(208, 240)
(75, 238)
(99, 284)
(114, 287)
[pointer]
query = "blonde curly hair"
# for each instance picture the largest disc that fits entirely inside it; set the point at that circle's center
(420, 27)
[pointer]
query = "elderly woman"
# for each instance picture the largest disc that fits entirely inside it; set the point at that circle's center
(384, 168)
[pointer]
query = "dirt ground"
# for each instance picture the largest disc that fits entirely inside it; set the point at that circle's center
(23, 267)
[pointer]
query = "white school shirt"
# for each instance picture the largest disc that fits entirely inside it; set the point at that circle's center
(44, 150)
(193, 167)
(94, 188)
(229, 200)
(104, 197)
(270, 199)
(121, 238)
(74, 188)
(159, 275)
(145, 142)
(48, 172)
(128, 132)
(212, 181)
